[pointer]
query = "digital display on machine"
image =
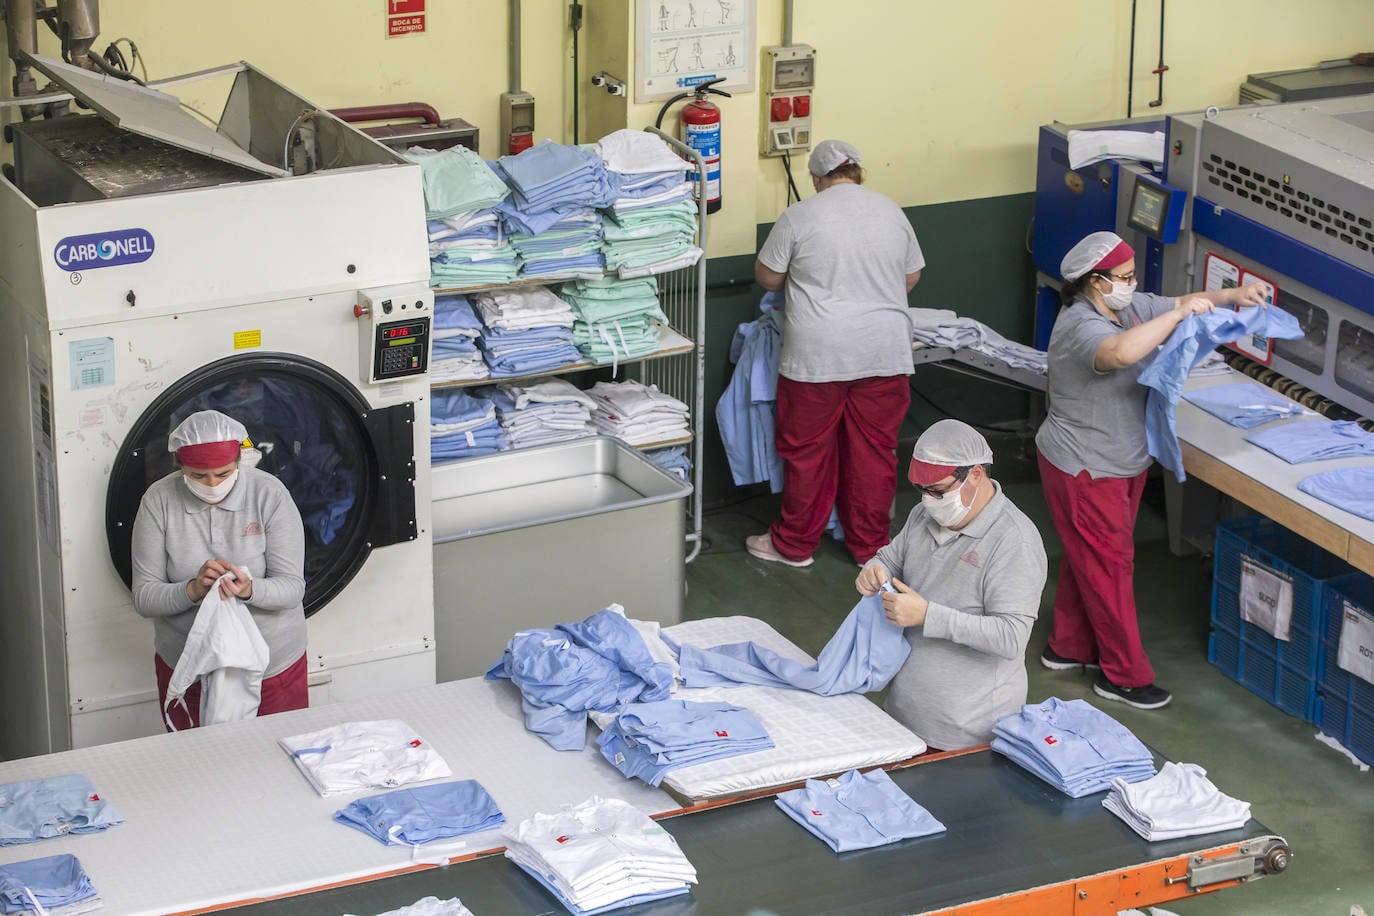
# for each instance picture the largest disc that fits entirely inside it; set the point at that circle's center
(1149, 206)
(400, 349)
(400, 342)
(401, 330)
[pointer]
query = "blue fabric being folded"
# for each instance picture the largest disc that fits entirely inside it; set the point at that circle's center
(600, 663)
(1314, 440)
(650, 740)
(1073, 746)
(858, 811)
(1244, 405)
(1351, 489)
(1188, 345)
(54, 881)
(423, 813)
(863, 655)
(40, 809)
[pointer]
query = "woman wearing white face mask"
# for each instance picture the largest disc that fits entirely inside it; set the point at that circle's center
(968, 568)
(217, 514)
(1093, 457)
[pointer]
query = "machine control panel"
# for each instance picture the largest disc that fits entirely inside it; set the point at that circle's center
(394, 328)
(789, 80)
(1156, 209)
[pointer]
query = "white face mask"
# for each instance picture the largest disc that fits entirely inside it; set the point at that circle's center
(208, 494)
(1120, 296)
(949, 510)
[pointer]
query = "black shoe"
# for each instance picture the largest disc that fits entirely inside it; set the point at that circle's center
(1151, 696)
(1056, 662)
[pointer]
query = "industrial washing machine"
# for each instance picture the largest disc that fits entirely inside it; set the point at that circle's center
(274, 267)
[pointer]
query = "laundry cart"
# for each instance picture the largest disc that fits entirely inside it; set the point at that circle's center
(274, 268)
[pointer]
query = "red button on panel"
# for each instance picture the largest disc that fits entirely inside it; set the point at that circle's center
(780, 110)
(801, 106)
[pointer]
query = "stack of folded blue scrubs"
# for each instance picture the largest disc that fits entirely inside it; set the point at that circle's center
(650, 740)
(1073, 746)
(54, 884)
(462, 424)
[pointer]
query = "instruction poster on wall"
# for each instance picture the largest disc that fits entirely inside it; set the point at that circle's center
(1219, 273)
(683, 43)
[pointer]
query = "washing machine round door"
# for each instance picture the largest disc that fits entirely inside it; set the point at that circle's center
(350, 468)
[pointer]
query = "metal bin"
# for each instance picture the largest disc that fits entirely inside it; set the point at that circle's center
(541, 536)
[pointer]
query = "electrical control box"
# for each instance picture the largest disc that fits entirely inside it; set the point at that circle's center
(517, 122)
(789, 80)
(394, 331)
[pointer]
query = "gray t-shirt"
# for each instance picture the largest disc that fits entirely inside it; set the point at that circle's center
(257, 526)
(846, 252)
(967, 665)
(1096, 420)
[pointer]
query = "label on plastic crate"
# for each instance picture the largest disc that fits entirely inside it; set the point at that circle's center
(1356, 652)
(1266, 598)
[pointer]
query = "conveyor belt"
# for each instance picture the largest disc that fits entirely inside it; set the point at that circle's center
(972, 362)
(1008, 832)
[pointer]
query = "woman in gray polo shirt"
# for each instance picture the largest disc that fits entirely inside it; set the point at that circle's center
(209, 517)
(1093, 457)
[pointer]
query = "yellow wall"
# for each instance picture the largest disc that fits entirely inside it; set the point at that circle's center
(942, 98)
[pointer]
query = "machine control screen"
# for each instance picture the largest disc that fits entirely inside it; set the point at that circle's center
(401, 349)
(1149, 206)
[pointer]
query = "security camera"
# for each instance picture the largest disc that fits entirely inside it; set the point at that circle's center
(598, 79)
(617, 89)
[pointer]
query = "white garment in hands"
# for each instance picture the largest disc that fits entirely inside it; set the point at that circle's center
(226, 652)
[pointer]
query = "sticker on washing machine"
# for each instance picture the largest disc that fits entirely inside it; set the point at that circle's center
(92, 362)
(1219, 273)
(1257, 346)
(247, 340)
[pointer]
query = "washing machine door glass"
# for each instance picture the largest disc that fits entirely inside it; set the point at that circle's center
(316, 434)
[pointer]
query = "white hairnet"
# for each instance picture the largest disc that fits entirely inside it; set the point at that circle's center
(204, 427)
(830, 155)
(952, 443)
(1086, 255)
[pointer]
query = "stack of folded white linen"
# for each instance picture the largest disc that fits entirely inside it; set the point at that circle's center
(637, 413)
(1073, 746)
(1180, 801)
(548, 410)
(455, 357)
(652, 224)
(602, 854)
(943, 328)
(615, 320)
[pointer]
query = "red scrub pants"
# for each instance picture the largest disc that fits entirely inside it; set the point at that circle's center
(1094, 604)
(280, 693)
(837, 441)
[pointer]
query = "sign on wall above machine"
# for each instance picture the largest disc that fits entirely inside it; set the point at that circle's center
(103, 249)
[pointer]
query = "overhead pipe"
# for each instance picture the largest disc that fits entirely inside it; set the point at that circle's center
(787, 23)
(514, 45)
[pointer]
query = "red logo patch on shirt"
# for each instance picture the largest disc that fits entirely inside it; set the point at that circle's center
(95, 797)
(563, 839)
(971, 558)
(815, 813)
(1051, 739)
(252, 529)
(720, 733)
(414, 742)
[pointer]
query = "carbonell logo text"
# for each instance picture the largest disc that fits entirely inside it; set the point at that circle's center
(103, 249)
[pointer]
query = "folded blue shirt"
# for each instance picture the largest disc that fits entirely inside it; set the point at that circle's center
(1314, 440)
(858, 811)
(864, 654)
(423, 813)
(1244, 404)
(40, 809)
(1351, 489)
(50, 882)
(1072, 745)
(1187, 346)
(650, 740)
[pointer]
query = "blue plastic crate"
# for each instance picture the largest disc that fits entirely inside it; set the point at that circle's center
(1284, 673)
(1345, 705)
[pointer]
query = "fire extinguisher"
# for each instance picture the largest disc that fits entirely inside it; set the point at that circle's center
(701, 131)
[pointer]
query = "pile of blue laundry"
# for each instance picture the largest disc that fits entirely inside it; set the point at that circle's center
(462, 424)
(454, 356)
(615, 320)
(652, 223)
(422, 814)
(570, 247)
(45, 885)
(599, 664)
(525, 331)
(1073, 746)
(1301, 441)
(649, 740)
(551, 183)
(858, 811)
(673, 459)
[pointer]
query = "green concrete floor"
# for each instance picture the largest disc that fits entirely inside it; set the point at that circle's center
(1314, 797)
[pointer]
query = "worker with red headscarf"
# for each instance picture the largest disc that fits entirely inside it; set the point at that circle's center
(1093, 457)
(213, 516)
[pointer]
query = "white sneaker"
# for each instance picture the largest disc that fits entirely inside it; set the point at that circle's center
(761, 547)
